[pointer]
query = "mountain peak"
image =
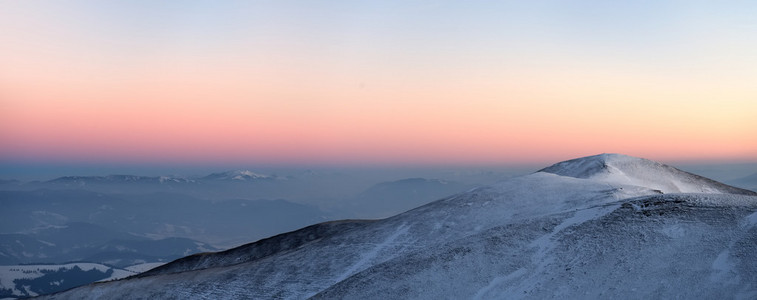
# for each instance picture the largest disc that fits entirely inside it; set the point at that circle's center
(592, 166)
(623, 169)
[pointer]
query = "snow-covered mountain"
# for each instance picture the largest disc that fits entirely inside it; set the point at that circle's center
(622, 169)
(238, 175)
(605, 226)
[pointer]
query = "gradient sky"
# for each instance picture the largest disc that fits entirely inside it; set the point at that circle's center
(357, 82)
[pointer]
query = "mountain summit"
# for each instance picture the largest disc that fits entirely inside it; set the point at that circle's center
(605, 226)
(624, 169)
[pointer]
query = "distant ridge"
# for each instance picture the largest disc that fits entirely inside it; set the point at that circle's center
(239, 175)
(120, 179)
(235, 175)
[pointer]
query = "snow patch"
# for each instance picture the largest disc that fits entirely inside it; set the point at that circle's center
(144, 267)
(673, 231)
(724, 269)
(498, 281)
(366, 258)
(750, 220)
(8, 274)
(545, 242)
(541, 259)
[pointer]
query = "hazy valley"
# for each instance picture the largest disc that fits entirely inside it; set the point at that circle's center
(123, 221)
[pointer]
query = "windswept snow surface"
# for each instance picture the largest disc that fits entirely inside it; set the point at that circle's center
(624, 169)
(596, 227)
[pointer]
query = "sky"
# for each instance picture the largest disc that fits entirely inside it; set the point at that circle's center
(375, 82)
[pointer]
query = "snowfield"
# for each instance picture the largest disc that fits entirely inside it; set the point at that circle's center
(10, 274)
(605, 226)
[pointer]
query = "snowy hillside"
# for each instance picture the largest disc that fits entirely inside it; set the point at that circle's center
(31, 280)
(604, 226)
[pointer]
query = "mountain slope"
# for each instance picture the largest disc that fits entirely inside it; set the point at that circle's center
(665, 246)
(571, 230)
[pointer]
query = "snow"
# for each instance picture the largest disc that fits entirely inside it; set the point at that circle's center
(118, 274)
(723, 266)
(674, 231)
(27, 290)
(10, 273)
(546, 244)
(596, 227)
(628, 170)
(373, 253)
(144, 267)
(750, 220)
(240, 175)
(497, 281)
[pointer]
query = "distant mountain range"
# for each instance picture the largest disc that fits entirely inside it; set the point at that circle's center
(605, 226)
(747, 182)
(378, 200)
(84, 180)
(240, 175)
(154, 215)
(235, 175)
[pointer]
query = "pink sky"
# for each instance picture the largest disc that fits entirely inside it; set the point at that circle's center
(97, 87)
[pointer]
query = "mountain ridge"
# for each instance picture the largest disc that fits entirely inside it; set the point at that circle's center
(505, 240)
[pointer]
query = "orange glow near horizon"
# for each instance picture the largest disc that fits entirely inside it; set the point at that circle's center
(74, 95)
